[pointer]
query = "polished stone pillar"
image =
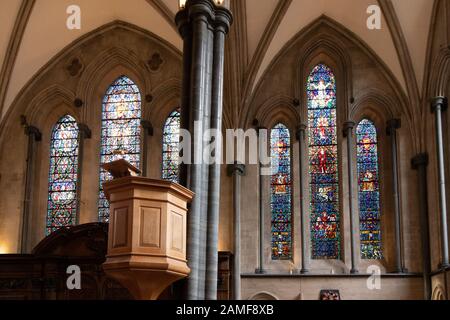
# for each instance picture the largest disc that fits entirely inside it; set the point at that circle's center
(392, 126)
(261, 168)
(354, 221)
(420, 163)
(301, 137)
(148, 131)
(34, 136)
(237, 171)
(84, 133)
(439, 105)
(221, 28)
(197, 23)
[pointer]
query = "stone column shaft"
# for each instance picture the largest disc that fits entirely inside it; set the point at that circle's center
(34, 136)
(148, 131)
(301, 137)
(237, 171)
(438, 105)
(260, 268)
(392, 126)
(212, 258)
(420, 163)
(84, 133)
(348, 133)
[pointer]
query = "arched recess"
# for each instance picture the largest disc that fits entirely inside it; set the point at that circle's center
(375, 106)
(328, 38)
(438, 293)
(51, 93)
(263, 295)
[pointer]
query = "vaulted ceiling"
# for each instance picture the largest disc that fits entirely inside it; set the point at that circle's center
(34, 31)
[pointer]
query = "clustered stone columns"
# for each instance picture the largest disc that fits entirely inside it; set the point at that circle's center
(420, 163)
(203, 26)
(439, 105)
(301, 137)
(236, 170)
(84, 133)
(348, 133)
(391, 129)
(34, 136)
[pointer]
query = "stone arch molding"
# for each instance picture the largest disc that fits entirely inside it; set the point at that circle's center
(277, 109)
(97, 69)
(94, 70)
(316, 39)
(263, 295)
(438, 293)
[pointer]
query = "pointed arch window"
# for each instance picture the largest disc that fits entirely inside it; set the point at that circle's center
(62, 204)
(368, 190)
(323, 163)
(281, 192)
(121, 131)
(171, 142)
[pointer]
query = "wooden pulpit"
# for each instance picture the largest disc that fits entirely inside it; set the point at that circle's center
(147, 231)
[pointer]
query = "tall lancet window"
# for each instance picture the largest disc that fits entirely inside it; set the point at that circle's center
(369, 190)
(121, 131)
(323, 163)
(281, 192)
(171, 142)
(63, 175)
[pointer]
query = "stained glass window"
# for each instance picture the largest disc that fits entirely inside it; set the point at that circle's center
(171, 141)
(323, 163)
(63, 175)
(121, 131)
(281, 192)
(369, 192)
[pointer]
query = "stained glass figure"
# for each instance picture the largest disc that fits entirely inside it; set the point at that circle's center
(369, 192)
(171, 142)
(323, 163)
(62, 201)
(281, 193)
(121, 131)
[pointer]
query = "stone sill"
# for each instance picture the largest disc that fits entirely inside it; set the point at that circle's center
(323, 275)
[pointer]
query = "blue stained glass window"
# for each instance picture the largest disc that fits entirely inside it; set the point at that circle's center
(121, 131)
(323, 163)
(62, 202)
(171, 142)
(281, 192)
(369, 190)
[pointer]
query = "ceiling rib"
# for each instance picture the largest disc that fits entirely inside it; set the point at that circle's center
(263, 45)
(13, 48)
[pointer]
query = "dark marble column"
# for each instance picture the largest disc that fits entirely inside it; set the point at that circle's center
(392, 127)
(439, 105)
(301, 137)
(354, 221)
(84, 133)
(237, 171)
(197, 24)
(148, 131)
(34, 136)
(261, 149)
(221, 27)
(420, 163)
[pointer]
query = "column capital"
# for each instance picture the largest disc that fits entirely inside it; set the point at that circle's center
(147, 125)
(223, 19)
(392, 125)
(419, 161)
(236, 169)
(348, 127)
(33, 131)
(85, 131)
(300, 131)
(439, 102)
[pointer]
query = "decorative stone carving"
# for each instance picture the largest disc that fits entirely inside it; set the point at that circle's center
(75, 67)
(155, 62)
